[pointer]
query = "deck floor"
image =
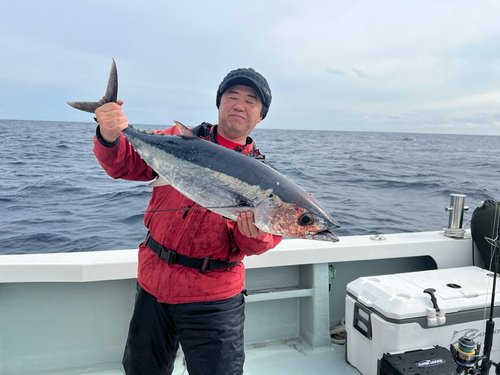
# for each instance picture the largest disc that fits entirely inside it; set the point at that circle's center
(276, 359)
(284, 359)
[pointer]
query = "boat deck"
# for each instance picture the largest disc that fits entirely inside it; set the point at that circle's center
(285, 359)
(68, 313)
(275, 359)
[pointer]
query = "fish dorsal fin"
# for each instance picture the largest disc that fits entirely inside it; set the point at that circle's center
(185, 132)
(159, 182)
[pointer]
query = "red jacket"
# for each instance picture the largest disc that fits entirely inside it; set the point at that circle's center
(194, 233)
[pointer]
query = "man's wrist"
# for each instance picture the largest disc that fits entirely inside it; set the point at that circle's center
(102, 141)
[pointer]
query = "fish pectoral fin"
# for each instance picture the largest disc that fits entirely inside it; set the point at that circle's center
(111, 94)
(159, 182)
(185, 132)
(243, 202)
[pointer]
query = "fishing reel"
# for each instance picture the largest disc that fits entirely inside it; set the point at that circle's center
(466, 354)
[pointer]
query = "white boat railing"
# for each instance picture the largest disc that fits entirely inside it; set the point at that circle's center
(122, 264)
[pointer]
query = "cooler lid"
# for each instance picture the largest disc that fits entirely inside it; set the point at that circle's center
(401, 296)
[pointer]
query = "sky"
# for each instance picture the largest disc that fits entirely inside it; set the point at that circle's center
(386, 65)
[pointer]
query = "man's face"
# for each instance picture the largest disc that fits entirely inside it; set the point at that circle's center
(239, 113)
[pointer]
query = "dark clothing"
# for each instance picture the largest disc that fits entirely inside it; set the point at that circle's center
(208, 132)
(211, 335)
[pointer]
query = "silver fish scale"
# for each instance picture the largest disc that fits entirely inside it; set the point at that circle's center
(203, 185)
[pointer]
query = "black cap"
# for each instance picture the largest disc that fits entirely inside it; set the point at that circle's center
(247, 77)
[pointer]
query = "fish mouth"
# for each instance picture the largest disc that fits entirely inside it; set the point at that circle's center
(325, 235)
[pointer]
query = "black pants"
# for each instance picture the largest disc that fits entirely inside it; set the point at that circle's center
(211, 335)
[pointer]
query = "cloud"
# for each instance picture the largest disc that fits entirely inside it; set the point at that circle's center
(412, 60)
(395, 117)
(491, 98)
(473, 119)
(360, 73)
(336, 71)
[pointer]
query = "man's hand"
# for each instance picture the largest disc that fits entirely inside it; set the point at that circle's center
(246, 225)
(111, 120)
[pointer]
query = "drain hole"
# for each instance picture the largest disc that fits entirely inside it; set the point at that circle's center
(454, 286)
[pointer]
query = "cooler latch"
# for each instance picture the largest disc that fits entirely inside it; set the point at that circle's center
(435, 315)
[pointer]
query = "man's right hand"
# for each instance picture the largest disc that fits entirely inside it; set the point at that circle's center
(111, 120)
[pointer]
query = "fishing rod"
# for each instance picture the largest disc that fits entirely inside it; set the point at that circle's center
(467, 354)
(490, 324)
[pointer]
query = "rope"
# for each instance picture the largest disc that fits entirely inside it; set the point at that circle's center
(456, 233)
(338, 334)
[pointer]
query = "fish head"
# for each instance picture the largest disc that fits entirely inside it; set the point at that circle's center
(307, 220)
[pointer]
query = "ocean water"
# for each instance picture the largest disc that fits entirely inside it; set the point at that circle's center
(54, 196)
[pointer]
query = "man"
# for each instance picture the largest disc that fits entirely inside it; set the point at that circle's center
(190, 273)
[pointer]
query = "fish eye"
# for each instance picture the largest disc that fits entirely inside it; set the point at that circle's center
(306, 219)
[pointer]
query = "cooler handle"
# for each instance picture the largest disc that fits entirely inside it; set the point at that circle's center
(365, 318)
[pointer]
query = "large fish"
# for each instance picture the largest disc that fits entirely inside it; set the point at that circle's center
(225, 181)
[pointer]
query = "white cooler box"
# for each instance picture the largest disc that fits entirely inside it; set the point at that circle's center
(391, 313)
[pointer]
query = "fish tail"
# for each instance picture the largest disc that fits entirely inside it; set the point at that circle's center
(111, 94)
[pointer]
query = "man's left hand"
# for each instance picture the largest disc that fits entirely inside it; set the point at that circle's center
(246, 225)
